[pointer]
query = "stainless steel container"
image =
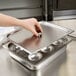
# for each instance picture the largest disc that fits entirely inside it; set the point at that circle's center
(37, 52)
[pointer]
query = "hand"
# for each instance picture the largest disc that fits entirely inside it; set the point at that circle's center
(31, 25)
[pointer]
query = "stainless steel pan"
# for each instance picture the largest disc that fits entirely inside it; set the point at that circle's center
(33, 52)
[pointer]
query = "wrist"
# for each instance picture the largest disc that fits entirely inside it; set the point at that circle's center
(18, 22)
(21, 23)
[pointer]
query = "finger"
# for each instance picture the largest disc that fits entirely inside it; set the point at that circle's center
(38, 25)
(34, 32)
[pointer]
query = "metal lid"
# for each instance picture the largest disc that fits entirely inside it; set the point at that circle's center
(51, 33)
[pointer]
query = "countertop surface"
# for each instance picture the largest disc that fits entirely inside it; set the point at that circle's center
(64, 65)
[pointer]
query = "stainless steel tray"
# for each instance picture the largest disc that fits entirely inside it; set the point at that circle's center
(51, 33)
(36, 52)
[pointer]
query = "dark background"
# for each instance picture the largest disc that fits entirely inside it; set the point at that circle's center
(35, 8)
